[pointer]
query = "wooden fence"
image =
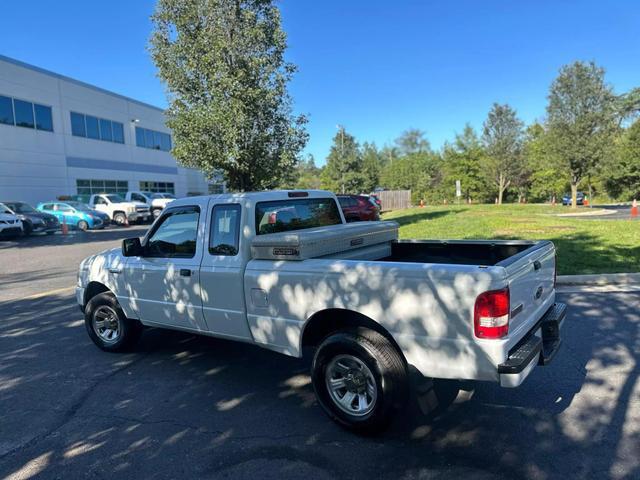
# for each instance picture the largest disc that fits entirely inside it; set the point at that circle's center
(394, 199)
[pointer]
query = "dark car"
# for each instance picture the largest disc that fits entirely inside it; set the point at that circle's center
(357, 208)
(34, 221)
(566, 198)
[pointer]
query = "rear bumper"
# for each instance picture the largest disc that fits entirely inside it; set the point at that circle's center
(538, 347)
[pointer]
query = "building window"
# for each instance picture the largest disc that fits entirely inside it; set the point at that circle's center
(157, 187)
(97, 128)
(90, 187)
(152, 139)
(216, 188)
(6, 111)
(25, 114)
(44, 120)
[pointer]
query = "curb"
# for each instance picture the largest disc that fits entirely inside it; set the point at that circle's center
(602, 279)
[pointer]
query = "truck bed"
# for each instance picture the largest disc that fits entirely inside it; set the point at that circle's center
(460, 252)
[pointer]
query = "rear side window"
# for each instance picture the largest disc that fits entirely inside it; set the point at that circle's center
(225, 230)
(296, 214)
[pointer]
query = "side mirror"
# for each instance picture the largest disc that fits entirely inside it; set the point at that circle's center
(131, 247)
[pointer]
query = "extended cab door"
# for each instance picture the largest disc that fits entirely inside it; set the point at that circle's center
(164, 283)
(222, 271)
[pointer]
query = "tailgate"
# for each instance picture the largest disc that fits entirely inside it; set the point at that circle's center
(531, 277)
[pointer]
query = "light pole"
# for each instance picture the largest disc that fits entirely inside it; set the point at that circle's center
(341, 128)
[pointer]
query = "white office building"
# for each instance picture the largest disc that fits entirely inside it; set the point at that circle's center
(60, 136)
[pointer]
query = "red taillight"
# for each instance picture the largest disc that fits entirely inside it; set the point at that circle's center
(491, 314)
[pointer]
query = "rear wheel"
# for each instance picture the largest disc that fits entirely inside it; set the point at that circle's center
(108, 326)
(83, 226)
(360, 379)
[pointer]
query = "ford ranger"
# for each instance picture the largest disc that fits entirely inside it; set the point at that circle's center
(283, 270)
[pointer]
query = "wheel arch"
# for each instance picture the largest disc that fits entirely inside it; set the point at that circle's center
(325, 322)
(92, 289)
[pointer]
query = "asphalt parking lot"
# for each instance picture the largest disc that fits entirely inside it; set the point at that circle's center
(188, 407)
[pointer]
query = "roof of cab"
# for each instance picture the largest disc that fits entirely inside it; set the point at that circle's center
(267, 195)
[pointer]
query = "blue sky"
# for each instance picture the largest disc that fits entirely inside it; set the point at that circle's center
(376, 67)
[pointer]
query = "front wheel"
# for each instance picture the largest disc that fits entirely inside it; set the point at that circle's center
(108, 326)
(360, 379)
(83, 226)
(156, 212)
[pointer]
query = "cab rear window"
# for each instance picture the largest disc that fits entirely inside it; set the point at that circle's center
(296, 214)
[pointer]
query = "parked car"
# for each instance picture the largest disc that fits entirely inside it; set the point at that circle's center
(372, 308)
(376, 200)
(34, 221)
(74, 214)
(10, 224)
(156, 201)
(566, 198)
(357, 208)
(118, 209)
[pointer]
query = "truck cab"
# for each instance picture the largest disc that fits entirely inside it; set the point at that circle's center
(156, 201)
(284, 271)
(118, 209)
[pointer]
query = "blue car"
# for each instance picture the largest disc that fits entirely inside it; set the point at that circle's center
(566, 199)
(75, 214)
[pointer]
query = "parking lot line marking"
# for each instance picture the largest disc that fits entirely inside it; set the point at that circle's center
(47, 293)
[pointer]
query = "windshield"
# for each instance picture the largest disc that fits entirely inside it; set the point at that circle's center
(162, 195)
(19, 207)
(114, 198)
(4, 209)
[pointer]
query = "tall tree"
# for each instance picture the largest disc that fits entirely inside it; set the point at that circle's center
(581, 120)
(503, 136)
(371, 166)
(343, 171)
(548, 176)
(412, 141)
(229, 109)
(463, 160)
(623, 178)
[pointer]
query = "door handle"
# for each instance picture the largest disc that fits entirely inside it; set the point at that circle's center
(537, 265)
(185, 272)
(115, 270)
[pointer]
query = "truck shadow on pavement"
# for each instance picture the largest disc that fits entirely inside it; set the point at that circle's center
(182, 406)
(75, 237)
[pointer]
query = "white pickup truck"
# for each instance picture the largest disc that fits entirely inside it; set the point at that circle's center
(283, 270)
(155, 201)
(118, 209)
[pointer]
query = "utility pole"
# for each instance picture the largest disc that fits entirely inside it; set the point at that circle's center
(341, 128)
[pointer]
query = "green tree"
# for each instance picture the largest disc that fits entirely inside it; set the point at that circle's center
(412, 141)
(463, 160)
(343, 172)
(548, 177)
(223, 64)
(503, 137)
(623, 179)
(371, 166)
(581, 120)
(419, 172)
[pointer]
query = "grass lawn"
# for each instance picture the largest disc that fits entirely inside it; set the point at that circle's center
(584, 245)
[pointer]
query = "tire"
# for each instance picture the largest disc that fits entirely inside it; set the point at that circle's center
(105, 308)
(83, 226)
(119, 218)
(156, 212)
(27, 228)
(368, 355)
